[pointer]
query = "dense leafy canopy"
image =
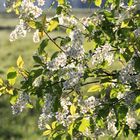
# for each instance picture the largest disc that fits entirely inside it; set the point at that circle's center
(81, 93)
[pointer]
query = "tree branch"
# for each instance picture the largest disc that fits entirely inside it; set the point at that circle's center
(54, 41)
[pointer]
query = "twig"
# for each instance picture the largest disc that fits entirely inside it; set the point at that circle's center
(54, 42)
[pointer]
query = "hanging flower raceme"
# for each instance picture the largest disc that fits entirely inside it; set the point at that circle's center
(103, 53)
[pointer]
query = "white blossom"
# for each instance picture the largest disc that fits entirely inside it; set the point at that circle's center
(41, 2)
(66, 20)
(128, 74)
(20, 104)
(36, 37)
(103, 53)
(29, 9)
(20, 31)
(120, 95)
(73, 77)
(56, 63)
(75, 49)
(84, 1)
(47, 111)
(131, 120)
(111, 121)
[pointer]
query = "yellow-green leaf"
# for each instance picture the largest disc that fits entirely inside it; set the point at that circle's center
(130, 2)
(72, 109)
(52, 25)
(84, 124)
(54, 125)
(20, 62)
(46, 133)
(32, 24)
(1, 82)
(124, 24)
(61, 2)
(70, 131)
(29, 105)
(98, 2)
(48, 127)
(94, 88)
(17, 3)
(13, 100)
(138, 112)
(138, 99)
(9, 91)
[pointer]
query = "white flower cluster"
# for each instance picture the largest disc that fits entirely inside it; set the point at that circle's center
(75, 49)
(66, 21)
(36, 37)
(29, 9)
(47, 112)
(41, 2)
(56, 63)
(20, 31)
(103, 53)
(131, 120)
(111, 121)
(120, 95)
(85, 21)
(64, 116)
(20, 104)
(137, 32)
(72, 76)
(88, 105)
(128, 74)
(84, 1)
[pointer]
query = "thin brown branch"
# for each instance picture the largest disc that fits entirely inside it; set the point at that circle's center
(53, 41)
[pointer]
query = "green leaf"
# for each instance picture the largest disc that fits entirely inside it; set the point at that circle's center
(59, 10)
(52, 25)
(85, 123)
(65, 41)
(11, 75)
(98, 2)
(54, 55)
(37, 59)
(94, 88)
(72, 109)
(20, 62)
(122, 111)
(42, 46)
(137, 64)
